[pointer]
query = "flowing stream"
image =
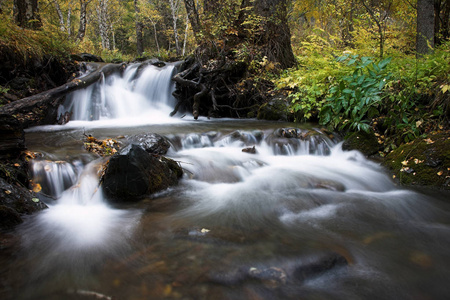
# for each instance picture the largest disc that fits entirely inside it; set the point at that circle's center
(298, 219)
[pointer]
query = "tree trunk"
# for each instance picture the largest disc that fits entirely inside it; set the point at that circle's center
(139, 29)
(26, 14)
(276, 35)
(102, 14)
(194, 19)
(68, 23)
(174, 6)
(185, 35)
(425, 26)
(83, 19)
(62, 26)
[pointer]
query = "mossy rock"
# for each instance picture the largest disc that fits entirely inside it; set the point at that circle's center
(367, 143)
(424, 161)
(274, 110)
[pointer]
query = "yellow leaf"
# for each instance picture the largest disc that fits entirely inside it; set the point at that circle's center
(440, 173)
(167, 290)
(429, 141)
(405, 162)
(7, 192)
(37, 187)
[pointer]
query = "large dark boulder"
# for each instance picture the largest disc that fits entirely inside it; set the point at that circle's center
(135, 174)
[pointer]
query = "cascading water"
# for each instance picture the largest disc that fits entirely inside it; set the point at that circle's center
(295, 217)
(142, 94)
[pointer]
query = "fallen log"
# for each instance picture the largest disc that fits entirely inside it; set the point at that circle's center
(42, 108)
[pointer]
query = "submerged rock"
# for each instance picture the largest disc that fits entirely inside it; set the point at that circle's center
(289, 272)
(130, 176)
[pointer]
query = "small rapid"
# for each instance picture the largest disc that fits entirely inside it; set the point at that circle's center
(264, 210)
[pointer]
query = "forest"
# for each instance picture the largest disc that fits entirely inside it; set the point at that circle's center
(379, 67)
(232, 149)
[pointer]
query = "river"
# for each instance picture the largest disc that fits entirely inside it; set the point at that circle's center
(299, 219)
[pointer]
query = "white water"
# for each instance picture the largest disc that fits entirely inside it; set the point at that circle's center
(127, 99)
(232, 209)
(81, 219)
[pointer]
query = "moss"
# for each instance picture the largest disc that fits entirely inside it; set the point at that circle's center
(367, 143)
(425, 161)
(274, 110)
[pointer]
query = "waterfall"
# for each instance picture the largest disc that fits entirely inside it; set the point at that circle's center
(142, 94)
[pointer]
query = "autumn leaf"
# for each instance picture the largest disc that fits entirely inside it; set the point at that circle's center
(429, 141)
(36, 187)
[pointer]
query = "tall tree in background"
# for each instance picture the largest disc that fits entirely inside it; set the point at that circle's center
(379, 15)
(263, 23)
(26, 14)
(425, 26)
(194, 19)
(139, 30)
(174, 8)
(103, 23)
(275, 36)
(83, 19)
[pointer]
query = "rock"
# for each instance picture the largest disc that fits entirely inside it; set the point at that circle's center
(424, 161)
(9, 217)
(150, 142)
(285, 272)
(251, 150)
(12, 137)
(16, 201)
(128, 177)
(367, 143)
(271, 277)
(274, 110)
(90, 57)
(319, 265)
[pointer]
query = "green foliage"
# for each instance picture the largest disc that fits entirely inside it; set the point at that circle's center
(3, 90)
(309, 83)
(33, 42)
(355, 99)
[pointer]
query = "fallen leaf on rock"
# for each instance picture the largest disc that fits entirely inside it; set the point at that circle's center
(421, 259)
(37, 187)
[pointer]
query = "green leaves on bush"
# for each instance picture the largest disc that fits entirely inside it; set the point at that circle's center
(355, 100)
